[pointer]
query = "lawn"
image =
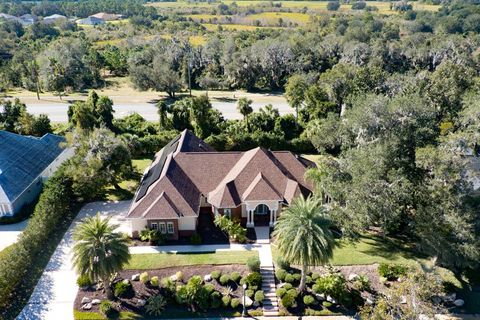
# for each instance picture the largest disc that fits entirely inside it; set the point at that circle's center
(165, 260)
(371, 249)
(128, 186)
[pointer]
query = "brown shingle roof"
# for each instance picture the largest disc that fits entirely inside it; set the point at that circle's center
(188, 168)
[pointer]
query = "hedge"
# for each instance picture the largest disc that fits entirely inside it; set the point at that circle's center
(24, 263)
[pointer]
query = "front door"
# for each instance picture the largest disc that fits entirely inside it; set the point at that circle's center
(262, 215)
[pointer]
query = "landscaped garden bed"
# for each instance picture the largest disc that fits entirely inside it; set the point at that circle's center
(181, 292)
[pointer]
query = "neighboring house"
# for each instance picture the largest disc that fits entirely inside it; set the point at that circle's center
(54, 18)
(28, 19)
(25, 162)
(107, 16)
(188, 178)
(91, 21)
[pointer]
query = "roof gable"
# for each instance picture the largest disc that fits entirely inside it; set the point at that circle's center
(24, 158)
(261, 189)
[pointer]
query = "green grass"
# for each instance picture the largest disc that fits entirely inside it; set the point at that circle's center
(128, 186)
(370, 250)
(85, 315)
(176, 313)
(164, 260)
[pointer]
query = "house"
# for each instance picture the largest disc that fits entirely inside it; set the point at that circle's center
(188, 178)
(107, 16)
(91, 21)
(25, 163)
(28, 19)
(54, 18)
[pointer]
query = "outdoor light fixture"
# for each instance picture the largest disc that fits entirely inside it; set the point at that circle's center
(244, 312)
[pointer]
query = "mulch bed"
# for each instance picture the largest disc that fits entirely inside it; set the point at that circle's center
(142, 291)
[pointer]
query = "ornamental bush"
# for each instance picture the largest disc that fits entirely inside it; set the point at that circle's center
(107, 309)
(234, 303)
(333, 284)
(281, 292)
(259, 296)
(154, 282)
(235, 276)
(144, 277)
(253, 264)
(254, 280)
(308, 300)
(392, 271)
(290, 278)
(226, 301)
(122, 288)
(84, 281)
(155, 305)
(280, 274)
(362, 283)
(210, 288)
(287, 286)
(216, 299)
(224, 280)
(292, 292)
(216, 274)
(282, 263)
(288, 301)
(249, 293)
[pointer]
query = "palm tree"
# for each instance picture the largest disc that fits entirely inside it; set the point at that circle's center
(244, 106)
(302, 235)
(99, 251)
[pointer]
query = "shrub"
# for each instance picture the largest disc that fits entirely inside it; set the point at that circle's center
(282, 263)
(234, 303)
(195, 239)
(391, 271)
(333, 284)
(232, 228)
(235, 276)
(326, 304)
(225, 279)
(308, 280)
(154, 237)
(216, 274)
(169, 286)
(362, 283)
(292, 292)
(253, 264)
(287, 286)
(254, 280)
(107, 309)
(249, 293)
(179, 275)
(154, 282)
(122, 288)
(290, 278)
(333, 6)
(281, 292)
(216, 299)
(288, 301)
(84, 281)
(210, 288)
(308, 300)
(155, 305)
(144, 277)
(226, 301)
(297, 276)
(280, 274)
(259, 296)
(359, 5)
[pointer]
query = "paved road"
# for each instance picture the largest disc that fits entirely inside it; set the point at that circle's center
(57, 111)
(55, 293)
(10, 232)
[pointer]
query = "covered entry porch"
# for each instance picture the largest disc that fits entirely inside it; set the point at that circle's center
(262, 213)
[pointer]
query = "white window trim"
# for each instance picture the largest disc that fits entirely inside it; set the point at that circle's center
(172, 230)
(163, 229)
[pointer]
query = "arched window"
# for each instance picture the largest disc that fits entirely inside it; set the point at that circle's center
(262, 209)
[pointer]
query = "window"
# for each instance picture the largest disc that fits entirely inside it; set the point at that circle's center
(154, 226)
(262, 209)
(227, 212)
(170, 228)
(162, 228)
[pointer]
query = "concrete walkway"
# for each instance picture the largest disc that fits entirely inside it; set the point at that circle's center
(55, 292)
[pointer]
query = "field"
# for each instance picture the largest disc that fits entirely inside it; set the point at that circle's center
(238, 27)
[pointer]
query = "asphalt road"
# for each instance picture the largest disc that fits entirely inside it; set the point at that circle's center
(57, 111)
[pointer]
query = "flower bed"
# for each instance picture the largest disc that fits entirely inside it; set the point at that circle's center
(188, 291)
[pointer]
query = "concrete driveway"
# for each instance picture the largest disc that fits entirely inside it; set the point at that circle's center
(55, 293)
(10, 232)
